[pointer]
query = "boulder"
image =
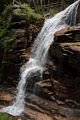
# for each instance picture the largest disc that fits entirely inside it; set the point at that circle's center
(43, 89)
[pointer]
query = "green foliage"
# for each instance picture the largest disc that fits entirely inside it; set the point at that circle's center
(8, 11)
(6, 43)
(5, 35)
(53, 11)
(4, 116)
(3, 3)
(25, 10)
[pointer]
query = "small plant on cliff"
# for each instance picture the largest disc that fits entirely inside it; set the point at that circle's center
(4, 116)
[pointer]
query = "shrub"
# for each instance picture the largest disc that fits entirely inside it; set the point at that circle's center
(4, 116)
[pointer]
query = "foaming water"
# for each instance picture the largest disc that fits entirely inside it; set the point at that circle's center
(39, 53)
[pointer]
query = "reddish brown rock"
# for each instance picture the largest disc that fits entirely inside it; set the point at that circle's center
(65, 57)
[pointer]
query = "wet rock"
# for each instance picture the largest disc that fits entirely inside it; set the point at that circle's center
(33, 78)
(43, 89)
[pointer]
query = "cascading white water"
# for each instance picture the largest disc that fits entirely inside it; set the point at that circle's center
(39, 53)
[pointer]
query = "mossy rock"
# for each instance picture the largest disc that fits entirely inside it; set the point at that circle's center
(22, 12)
(25, 12)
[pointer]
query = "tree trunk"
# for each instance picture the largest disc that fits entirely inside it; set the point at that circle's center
(35, 5)
(41, 5)
(48, 5)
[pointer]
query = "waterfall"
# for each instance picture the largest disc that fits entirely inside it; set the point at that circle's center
(39, 53)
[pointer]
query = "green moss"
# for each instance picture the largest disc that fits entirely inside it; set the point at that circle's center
(5, 34)
(8, 12)
(25, 10)
(6, 43)
(4, 116)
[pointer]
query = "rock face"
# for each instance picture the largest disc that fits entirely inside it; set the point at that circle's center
(56, 92)
(24, 35)
(37, 108)
(67, 48)
(65, 67)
